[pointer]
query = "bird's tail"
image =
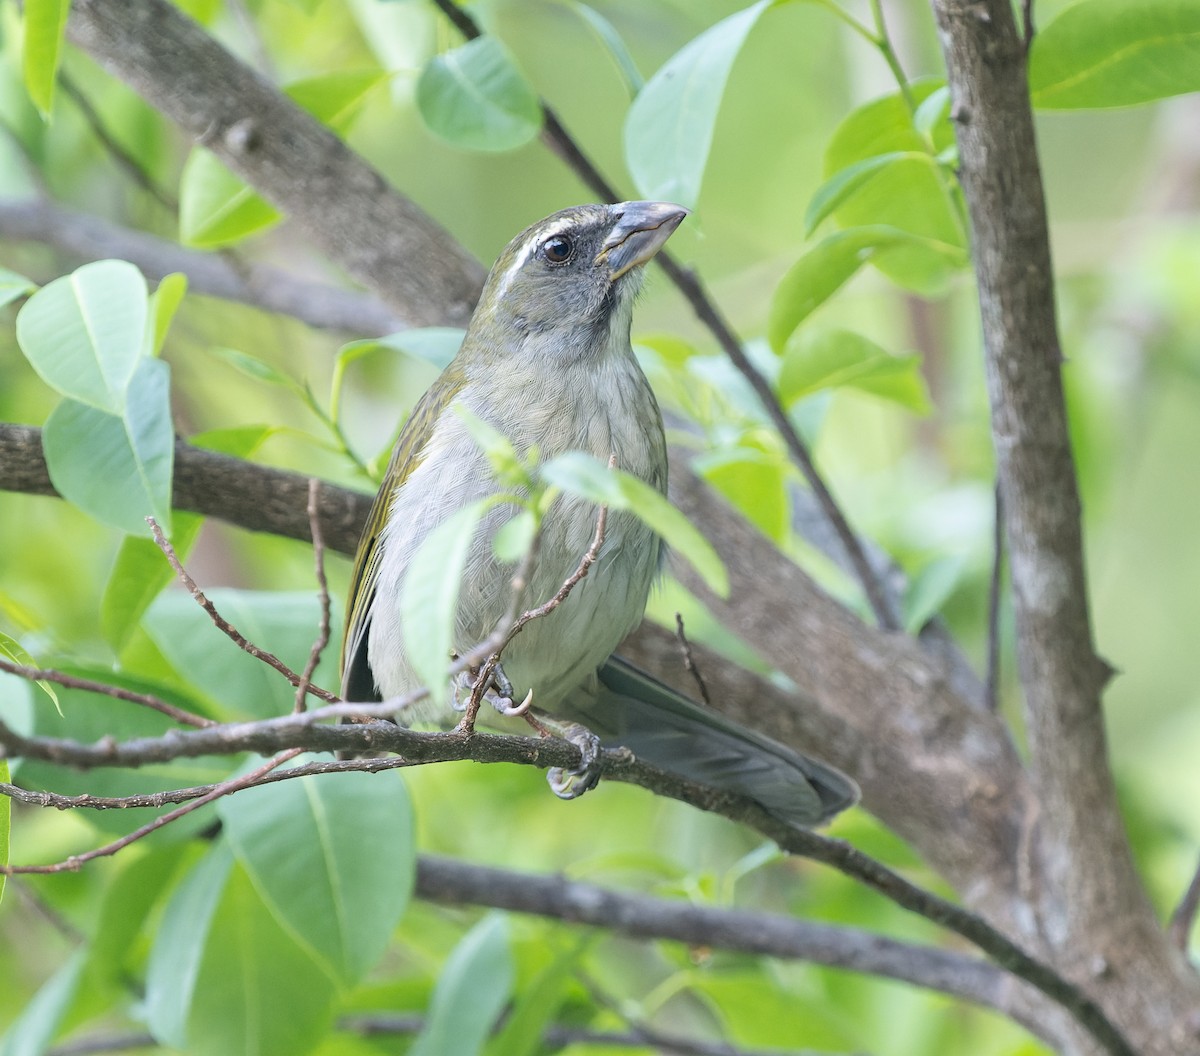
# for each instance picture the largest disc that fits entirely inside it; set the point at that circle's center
(663, 728)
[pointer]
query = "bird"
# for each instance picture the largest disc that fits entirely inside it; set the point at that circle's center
(547, 362)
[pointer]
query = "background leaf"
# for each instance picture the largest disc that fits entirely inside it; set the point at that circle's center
(45, 23)
(474, 97)
(837, 358)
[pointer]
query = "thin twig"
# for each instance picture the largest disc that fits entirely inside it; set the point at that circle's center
(991, 689)
(1184, 918)
(48, 913)
(225, 788)
(88, 685)
(322, 639)
(223, 625)
(565, 146)
(689, 661)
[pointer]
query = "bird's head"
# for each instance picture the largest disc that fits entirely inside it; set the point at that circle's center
(575, 273)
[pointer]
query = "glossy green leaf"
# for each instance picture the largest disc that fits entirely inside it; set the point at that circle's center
(824, 268)
(581, 474)
(1104, 53)
(429, 597)
(471, 992)
(608, 36)
(837, 358)
(215, 207)
(844, 184)
(45, 23)
(164, 303)
(13, 286)
(18, 654)
(118, 469)
(474, 97)
(85, 333)
(669, 129)
(911, 194)
(235, 684)
(179, 946)
(333, 858)
(39, 1021)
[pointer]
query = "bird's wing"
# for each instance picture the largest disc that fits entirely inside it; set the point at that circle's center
(358, 684)
(663, 728)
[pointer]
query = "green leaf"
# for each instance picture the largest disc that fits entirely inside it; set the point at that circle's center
(164, 303)
(472, 990)
(215, 207)
(843, 185)
(13, 286)
(928, 590)
(85, 333)
(754, 481)
(581, 474)
(335, 99)
(506, 464)
(914, 194)
(822, 271)
(118, 469)
(333, 857)
(39, 1021)
(515, 536)
(836, 358)
(179, 945)
(434, 344)
(258, 369)
(18, 654)
(613, 44)
(45, 23)
(474, 97)
(1105, 53)
(669, 129)
(536, 1006)
(5, 824)
(429, 596)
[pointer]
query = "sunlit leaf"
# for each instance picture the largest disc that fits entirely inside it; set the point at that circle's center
(474, 97)
(18, 654)
(215, 207)
(334, 859)
(164, 303)
(45, 23)
(837, 358)
(335, 99)
(1104, 53)
(669, 130)
(474, 987)
(844, 184)
(754, 481)
(85, 332)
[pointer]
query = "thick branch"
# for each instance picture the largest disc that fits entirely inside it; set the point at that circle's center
(1091, 870)
(343, 205)
(85, 237)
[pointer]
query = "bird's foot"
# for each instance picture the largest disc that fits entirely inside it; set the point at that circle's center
(564, 783)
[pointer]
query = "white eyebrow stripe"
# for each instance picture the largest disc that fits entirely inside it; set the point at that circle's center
(535, 240)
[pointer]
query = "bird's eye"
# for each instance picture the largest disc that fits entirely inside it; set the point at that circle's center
(558, 250)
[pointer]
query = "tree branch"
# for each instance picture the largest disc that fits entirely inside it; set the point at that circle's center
(84, 237)
(343, 205)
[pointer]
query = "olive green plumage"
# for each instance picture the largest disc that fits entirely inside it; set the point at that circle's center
(547, 362)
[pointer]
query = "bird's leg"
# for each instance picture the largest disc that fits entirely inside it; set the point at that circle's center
(486, 682)
(569, 784)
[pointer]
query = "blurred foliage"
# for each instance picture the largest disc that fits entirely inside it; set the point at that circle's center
(829, 227)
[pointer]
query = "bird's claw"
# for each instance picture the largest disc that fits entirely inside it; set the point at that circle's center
(571, 784)
(499, 693)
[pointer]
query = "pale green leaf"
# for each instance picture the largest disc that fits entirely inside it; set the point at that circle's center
(84, 333)
(335, 99)
(835, 358)
(13, 286)
(45, 23)
(613, 44)
(429, 597)
(333, 858)
(754, 481)
(38, 1023)
(18, 654)
(118, 469)
(669, 129)
(1105, 53)
(259, 369)
(215, 207)
(844, 184)
(515, 536)
(475, 985)
(583, 475)
(474, 97)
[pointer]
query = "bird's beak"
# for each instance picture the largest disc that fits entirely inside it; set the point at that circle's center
(639, 233)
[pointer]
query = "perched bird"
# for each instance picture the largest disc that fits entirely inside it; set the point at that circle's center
(547, 362)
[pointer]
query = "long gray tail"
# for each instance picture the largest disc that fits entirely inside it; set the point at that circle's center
(665, 729)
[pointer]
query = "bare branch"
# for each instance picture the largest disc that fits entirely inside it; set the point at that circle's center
(85, 237)
(89, 685)
(689, 659)
(1184, 918)
(322, 639)
(345, 207)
